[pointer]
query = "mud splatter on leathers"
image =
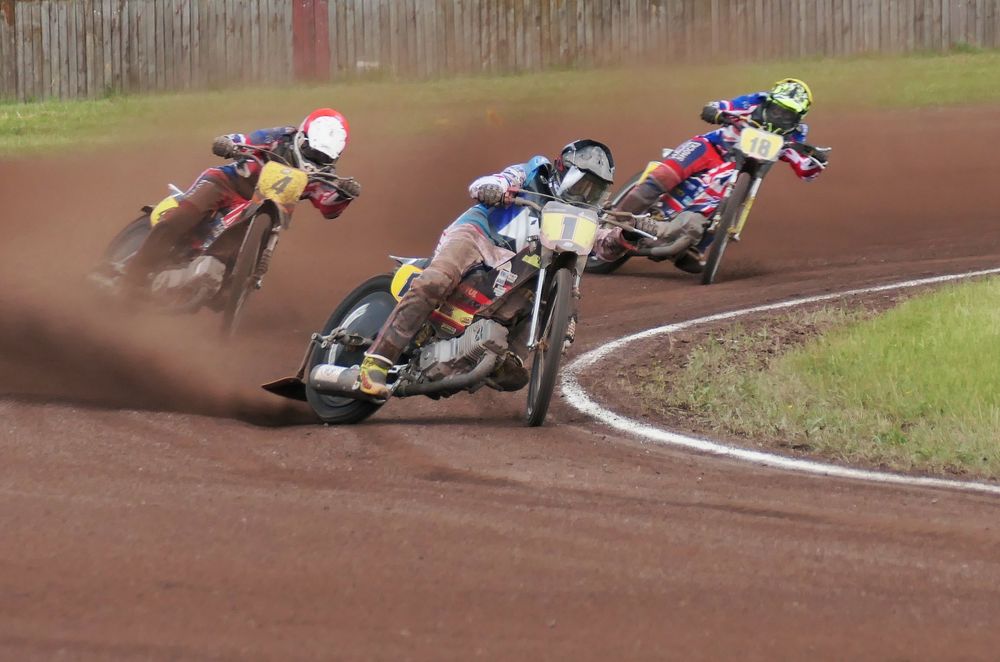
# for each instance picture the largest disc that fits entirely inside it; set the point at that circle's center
(222, 188)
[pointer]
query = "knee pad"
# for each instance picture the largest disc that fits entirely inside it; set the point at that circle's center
(433, 286)
(667, 175)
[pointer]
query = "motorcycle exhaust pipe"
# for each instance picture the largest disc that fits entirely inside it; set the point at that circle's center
(675, 247)
(453, 382)
(334, 379)
(338, 380)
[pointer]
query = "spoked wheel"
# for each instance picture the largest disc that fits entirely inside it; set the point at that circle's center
(734, 205)
(557, 309)
(363, 311)
(241, 276)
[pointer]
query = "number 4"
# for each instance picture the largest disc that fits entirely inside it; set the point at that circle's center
(280, 185)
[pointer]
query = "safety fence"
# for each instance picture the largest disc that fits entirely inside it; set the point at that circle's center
(88, 48)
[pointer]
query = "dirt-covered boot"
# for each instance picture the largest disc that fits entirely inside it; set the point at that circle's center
(372, 378)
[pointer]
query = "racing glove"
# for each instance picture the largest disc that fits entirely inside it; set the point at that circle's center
(349, 186)
(821, 155)
(711, 114)
(491, 195)
(224, 146)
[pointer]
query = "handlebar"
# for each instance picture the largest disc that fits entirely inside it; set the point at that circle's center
(251, 152)
(727, 118)
(523, 202)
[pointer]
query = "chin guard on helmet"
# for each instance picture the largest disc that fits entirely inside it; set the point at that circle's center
(320, 140)
(586, 170)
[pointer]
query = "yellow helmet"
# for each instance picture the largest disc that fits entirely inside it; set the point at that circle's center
(793, 94)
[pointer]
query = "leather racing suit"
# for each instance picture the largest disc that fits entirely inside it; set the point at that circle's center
(222, 188)
(692, 178)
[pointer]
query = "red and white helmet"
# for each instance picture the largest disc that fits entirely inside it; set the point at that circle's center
(321, 138)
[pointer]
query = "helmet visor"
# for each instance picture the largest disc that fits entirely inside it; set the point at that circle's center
(781, 118)
(581, 186)
(315, 156)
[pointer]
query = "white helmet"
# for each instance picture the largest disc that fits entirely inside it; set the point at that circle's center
(321, 138)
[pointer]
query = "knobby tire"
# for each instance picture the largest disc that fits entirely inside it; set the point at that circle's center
(556, 314)
(241, 276)
(734, 205)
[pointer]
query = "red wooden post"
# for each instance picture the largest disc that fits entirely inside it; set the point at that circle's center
(321, 26)
(303, 38)
(311, 39)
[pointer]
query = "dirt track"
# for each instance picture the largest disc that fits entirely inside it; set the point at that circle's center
(446, 530)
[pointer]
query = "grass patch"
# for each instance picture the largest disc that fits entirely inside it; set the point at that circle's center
(916, 388)
(404, 107)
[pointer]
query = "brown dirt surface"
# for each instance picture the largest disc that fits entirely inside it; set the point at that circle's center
(146, 514)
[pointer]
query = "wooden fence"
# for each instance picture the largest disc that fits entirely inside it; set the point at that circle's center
(87, 48)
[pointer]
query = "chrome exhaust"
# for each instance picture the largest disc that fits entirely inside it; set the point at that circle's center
(335, 380)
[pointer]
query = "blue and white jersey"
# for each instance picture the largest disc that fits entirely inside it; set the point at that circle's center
(537, 175)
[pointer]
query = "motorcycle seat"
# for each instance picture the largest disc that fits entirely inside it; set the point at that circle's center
(419, 262)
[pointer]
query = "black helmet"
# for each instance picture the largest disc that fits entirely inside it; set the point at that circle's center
(586, 171)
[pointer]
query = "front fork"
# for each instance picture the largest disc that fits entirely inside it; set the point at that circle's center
(264, 262)
(536, 310)
(537, 306)
(745, 212)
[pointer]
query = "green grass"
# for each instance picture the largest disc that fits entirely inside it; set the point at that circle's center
(916, 388)
(861, 82)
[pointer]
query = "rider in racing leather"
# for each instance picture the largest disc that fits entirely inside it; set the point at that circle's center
(314, 146)
(582, 173)
(692, 179)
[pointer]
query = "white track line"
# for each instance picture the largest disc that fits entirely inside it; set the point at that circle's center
(579, 399)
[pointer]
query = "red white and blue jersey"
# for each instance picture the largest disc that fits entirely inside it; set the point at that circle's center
(703, 191)
(328, 200)
(724, 138)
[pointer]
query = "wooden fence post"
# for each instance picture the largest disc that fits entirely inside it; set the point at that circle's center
(311, 39)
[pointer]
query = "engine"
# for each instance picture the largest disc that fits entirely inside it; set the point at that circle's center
(446, 357)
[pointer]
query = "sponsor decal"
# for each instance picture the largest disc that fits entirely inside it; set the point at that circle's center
(504, 281)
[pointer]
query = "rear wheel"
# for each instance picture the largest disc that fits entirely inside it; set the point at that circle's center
(734, 205)
(555, 316)
(363, 311)
(595, 266)
(127, 242)
(241, 276)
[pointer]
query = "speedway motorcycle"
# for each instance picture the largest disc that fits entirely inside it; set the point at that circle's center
(243, 239)
(470, 341)
(753, 155)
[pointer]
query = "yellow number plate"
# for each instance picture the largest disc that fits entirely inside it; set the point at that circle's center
(281, 183)
(569, 229)
(761, 145)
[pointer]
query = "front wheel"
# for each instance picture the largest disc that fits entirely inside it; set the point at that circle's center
(241, 276)
(558, 309)
(732, 210)
(363, 311)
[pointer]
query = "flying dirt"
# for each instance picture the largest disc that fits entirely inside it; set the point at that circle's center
(445, 529)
